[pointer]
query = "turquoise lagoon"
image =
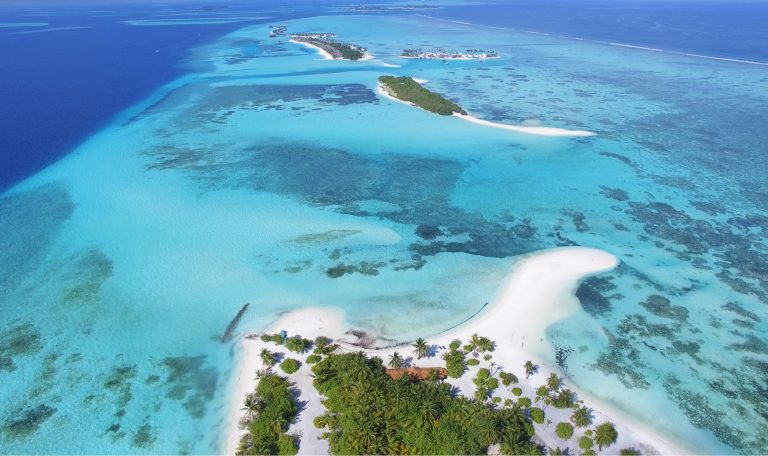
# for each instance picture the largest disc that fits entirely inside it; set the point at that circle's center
(270, 176)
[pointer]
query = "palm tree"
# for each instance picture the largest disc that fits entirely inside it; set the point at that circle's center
(252, 405)
(605, 435)
(420, 348)
(267, 358)
(581, 417)
(396, 361)
(553, 382)
(530, 368)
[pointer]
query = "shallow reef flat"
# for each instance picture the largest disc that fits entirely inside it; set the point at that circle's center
(266, 176)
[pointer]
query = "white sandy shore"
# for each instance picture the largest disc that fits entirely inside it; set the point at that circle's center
(327, 55)
(539, 131)
(323, 53)
(538, 291)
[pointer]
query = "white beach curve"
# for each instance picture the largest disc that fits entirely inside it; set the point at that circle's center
(538, 291)
(539, 131)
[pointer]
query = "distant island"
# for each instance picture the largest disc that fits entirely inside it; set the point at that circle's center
(442, 54)
(333, 49)
(277, 30)
(407, 89)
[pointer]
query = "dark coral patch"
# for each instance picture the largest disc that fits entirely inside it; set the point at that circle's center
(19, 340)
(191, 381)
(25, 422)
(661, 306)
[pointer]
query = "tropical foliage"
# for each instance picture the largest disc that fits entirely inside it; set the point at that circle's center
(313, 358)
(605, 435)
(455, 361)
(537, 415)
(564, 430)
(406, 89)
(420, 348)
(581, 417)
(530, 368)
(629, 452)
(269, 411)
(297, 344)
(507, 378)
(290, 365)
(585, 443)
(368, 413)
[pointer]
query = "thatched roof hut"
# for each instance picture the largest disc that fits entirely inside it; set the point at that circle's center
(417, 373)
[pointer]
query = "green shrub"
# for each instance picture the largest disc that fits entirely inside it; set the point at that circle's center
(507, 378)
(537, 415)
(286, 446)
(496, 400)
(314, 358)
(524, 402)
(322, 341)
(290, 365)
(589, 452)
(517, 391)
(472, 362)
(487, 357)
(564, 430)
(455, 363)
(454, 345)
(468, 348)
(564, 399)
(297, 344)
(274, 338)
(629, 452)
(585, 443)
(483, 373)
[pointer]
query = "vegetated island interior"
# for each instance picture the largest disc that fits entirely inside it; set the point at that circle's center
(371, 409)
(406, 89)
(326, 42)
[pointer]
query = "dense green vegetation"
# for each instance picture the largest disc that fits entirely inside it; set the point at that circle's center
(368, 413)
(564, 430)
(297, 344)
(406, 89)
(268, 412)
(585, 443)
(290, 365)
(507, 378)
(605, 435)
(455, 360)
(274, 338)
(537, 415)
(313, 358)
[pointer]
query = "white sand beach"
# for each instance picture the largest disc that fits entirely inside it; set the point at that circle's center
(541, 131)
(538, 291)
(323, 53)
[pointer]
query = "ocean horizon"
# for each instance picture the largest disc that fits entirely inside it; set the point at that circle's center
(162, 166)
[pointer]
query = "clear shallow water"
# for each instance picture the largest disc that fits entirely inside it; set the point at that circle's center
(265, 172)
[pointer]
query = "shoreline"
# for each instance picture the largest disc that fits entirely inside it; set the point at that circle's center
(323, 53)
(538, 131)
(327, 55)
(547, 278)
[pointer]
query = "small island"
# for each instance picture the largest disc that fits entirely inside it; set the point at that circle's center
(409, 90)
(277, 30)
(442, 54)
(326, 43)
